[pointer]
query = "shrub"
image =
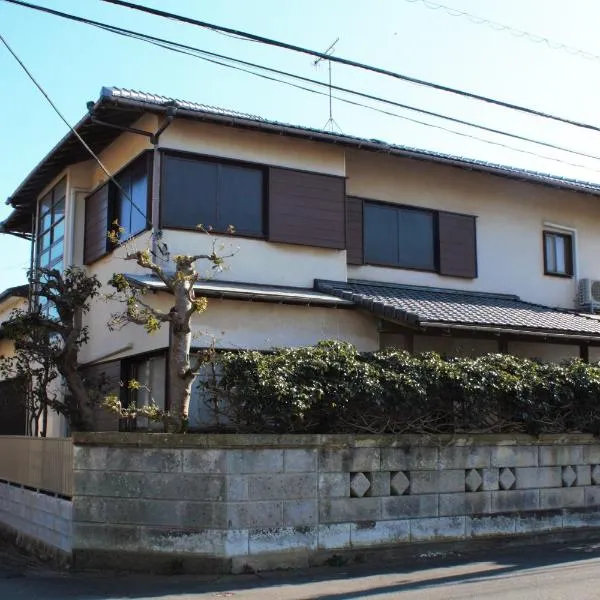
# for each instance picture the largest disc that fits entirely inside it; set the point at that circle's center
(333, 388)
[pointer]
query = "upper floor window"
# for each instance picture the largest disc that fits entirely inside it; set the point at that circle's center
(51, 228)
(558, 254)
(214, 194)
(127, 203)
(410, 238)
(130, 202)
(399, 237)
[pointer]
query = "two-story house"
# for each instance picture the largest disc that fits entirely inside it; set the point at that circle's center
(336, 237)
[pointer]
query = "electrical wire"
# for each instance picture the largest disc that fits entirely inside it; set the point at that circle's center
(73, 130)
(347, 62)
(497, 26)
(203, 54)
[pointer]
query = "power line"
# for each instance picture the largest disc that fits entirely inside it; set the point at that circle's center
(350, 63)
(502, 27)
(203, 54)
(73, 130)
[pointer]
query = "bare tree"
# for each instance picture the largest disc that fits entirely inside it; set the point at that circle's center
(179, 281)
(47, 343)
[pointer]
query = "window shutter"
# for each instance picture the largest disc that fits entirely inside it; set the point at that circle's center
(458, 245)
(354, 231)
(306, 208)
(96, 224)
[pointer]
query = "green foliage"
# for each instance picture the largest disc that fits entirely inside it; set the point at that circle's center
(333, 388)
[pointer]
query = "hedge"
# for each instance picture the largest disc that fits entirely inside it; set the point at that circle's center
(332, 388)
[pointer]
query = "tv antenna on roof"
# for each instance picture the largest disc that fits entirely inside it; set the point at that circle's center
(331, 123)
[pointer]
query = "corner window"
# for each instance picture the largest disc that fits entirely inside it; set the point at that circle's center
(131, 200)
(399, 236)
(214, 194)
(558, 254)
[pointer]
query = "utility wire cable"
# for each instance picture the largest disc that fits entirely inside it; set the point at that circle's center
(73, 130)
(347, 62)
(202, 54)
(502, 27)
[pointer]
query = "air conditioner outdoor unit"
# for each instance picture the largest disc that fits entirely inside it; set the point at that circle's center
(588, 294)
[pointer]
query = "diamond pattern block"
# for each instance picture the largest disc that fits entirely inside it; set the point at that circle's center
(596, 475)
(506, 479)
(359, 485)
(473, 480)
(568, 476)
(399, 484)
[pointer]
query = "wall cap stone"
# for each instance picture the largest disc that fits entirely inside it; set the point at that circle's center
(339, 441)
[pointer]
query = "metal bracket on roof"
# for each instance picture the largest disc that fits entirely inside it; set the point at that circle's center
(171, 112)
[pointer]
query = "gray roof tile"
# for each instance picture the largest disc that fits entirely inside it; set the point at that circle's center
(423, 306)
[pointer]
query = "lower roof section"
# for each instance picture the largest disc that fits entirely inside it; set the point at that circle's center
(250, 291)
(423, 308)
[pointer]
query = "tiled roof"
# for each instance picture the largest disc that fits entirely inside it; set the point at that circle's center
(422, 306)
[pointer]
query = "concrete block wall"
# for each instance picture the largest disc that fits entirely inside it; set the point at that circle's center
(37, 517)
(234, 502)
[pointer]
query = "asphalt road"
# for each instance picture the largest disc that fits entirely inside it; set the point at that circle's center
(549, 572)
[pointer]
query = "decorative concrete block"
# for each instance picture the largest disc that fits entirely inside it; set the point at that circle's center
(409, 507)
(465, 457)
(251, 515)
(421, 458)
(584, 475)
(280, 486)
(533, 522)
(380, 483)
(350, 459)
(300, 461)
(349, 509)
(374, 533)
(562, 498)
(359, 485)
(490, 525)
(515, 500)
(560, 455)
(569, 476)
(431, 482)
(473, 480)
(255, 461)
(471, 503)
(334, 485)
(399, 483)
(334, 536)
(282, 539)
(299, 513)
(595, 474)
(438, 528)
(200, 460)
(514, 456)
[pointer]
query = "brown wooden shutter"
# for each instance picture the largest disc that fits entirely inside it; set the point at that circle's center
(354, 231)
(104, 378)
(458, 245)
(306, 208)
(96, 224)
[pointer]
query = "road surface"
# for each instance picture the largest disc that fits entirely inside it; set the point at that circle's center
(549, 572)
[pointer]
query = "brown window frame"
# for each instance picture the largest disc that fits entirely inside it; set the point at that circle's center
(569, 253)
(264, 169)
(434, 233)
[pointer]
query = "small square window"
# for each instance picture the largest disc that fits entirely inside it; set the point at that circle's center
(558, 254)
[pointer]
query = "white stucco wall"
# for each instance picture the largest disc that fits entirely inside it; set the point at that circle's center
(544, 352)
(510, 220)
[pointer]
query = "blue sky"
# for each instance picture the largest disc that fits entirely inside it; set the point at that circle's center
(74, 61)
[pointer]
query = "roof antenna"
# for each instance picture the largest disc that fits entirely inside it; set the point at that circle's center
(331, 123)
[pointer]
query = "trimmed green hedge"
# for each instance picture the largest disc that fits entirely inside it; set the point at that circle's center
(333, 388)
